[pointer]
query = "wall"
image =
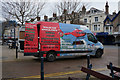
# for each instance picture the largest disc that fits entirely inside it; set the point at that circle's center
(116, 21)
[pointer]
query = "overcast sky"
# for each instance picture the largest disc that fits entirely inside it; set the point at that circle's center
(99, 4)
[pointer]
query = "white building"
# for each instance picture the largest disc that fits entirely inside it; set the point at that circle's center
(94, 19)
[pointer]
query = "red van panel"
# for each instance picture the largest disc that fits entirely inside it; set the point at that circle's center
(31, 38)
(49, 36)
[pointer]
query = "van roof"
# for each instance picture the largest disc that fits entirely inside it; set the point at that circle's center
(71, 27)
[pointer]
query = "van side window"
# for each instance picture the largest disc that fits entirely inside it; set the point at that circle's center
(91, 37)
(78, 43)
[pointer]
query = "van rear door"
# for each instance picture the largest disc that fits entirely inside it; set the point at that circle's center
(31, 38)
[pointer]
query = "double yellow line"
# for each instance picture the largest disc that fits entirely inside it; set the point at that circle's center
(63, 73)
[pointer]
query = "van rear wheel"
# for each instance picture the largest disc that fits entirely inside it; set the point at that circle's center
(51, 56)
(99, 53)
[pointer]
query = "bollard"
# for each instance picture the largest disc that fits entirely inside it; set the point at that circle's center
(40, 54)
(112, 73)
(88, 75)
(16, 52)
(88, 60)
(89, 66)
(42, 67)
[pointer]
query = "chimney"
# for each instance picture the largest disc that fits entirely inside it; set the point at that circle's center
(106, 8)
(38, 18)
(65, 11)
(114, 13)
(83, 10)
(72, 12)
(45, 18)
(54, 15)
(61, 17)
(32, 20)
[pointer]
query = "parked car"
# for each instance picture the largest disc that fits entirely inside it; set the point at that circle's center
(9, 42)
(117, 43)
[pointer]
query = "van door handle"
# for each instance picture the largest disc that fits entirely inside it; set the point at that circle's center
(88, 44)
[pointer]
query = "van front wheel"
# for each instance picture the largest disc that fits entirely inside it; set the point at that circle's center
(99, 53)
(51, 56)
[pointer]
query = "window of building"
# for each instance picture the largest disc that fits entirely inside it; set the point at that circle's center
(85, 20)
(96, 19)
(111, 29)
(95, 11)
(95, 27)
(98, 28)
(107, 28)
(107, 22)
(92, 11)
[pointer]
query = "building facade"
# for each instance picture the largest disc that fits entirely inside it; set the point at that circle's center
(94, 20)
(9, 27)
(108, 24)
(116, 22)
(112, 23)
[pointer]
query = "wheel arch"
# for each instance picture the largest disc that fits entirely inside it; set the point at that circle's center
(51, 55)
(51, 51)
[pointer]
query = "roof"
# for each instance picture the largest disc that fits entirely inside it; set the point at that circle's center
(116, 15)
(97, 10)
(111, 17)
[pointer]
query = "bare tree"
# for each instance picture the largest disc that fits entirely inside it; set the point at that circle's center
(69, 9)
(22, 10)
(3, 31)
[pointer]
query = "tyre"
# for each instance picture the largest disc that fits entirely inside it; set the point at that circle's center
(99, 53)
(51, 56)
